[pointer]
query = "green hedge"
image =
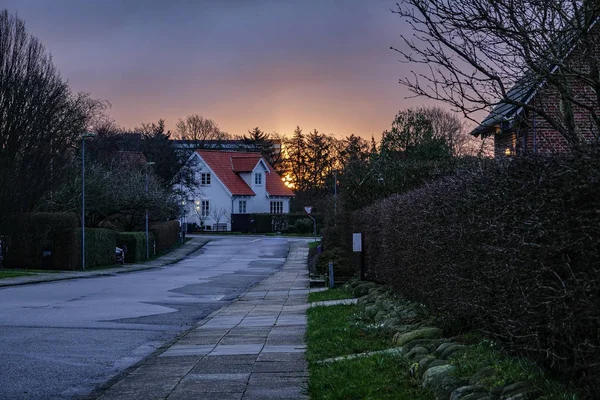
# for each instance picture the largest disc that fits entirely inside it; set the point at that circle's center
(166, 235)
(285, 223)
(136, 245)
(99, 249)
(30, 234)
(510, 249)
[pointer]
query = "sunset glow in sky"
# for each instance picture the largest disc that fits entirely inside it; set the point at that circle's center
(275, 64)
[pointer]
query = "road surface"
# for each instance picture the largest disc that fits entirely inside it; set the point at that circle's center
(63, 339)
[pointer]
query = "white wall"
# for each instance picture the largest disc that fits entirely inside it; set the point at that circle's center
(215, 193)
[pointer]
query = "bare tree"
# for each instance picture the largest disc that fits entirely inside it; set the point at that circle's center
(41, 120)
(472, 52)
(218, 214)
(198, 130)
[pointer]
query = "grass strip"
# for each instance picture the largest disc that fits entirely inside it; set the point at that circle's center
(340, 330)
(331, 294)
(13, 274)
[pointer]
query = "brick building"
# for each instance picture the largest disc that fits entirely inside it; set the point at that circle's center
(538, 117)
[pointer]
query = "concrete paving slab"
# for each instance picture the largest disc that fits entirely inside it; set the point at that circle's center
(252, 349)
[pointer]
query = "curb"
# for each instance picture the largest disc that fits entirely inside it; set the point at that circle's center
(102, 273)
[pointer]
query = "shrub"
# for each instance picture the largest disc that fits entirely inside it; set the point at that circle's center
(99, 249)
(510, 249)
(304, 225)
(136, 245)
(166, 234)
(30, 234)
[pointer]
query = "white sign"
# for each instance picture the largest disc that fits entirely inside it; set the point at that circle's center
(357, 242)
(308, 209)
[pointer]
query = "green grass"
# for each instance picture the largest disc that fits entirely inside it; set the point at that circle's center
(13, 273)
(508, 370)
(338, 330)
(313, 245)
(331, 294)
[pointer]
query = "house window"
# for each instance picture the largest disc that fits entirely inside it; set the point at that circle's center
(277, 207)
(258, 179)
(242, 206)
(205, 179)
(204, 208)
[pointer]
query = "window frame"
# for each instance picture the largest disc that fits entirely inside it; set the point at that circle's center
(205, 207)
(258, 179)
(276, 206)
(205, 179)
(244, 209)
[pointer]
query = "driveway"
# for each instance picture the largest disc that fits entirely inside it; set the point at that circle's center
(63, 339)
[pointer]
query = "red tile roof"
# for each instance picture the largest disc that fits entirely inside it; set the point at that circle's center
(245, 163)
(227, 164)
(275, 186)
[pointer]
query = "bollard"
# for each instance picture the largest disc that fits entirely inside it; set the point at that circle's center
(331, 284)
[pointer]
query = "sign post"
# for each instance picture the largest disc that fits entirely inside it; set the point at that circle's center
(357, 247)
(308, 210)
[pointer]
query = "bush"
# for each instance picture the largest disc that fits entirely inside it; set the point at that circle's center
(286, 223)
(136, 245)
(304, 225)
(509, 249)
(166, 234)
(30, 234)
(99, 249)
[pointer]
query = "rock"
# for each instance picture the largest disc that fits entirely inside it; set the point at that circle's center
(496, 392)
(441, 381)
(437, 363)
(390, 323)
(443, 347)
(461, 392)
(419, 342)
(363, 288)
(453, 349)
(422, 333)
(417, 351)
(380, 315)
(476, 396)
(371, 310)
(517, 391)
(425, 362)
(483, 376)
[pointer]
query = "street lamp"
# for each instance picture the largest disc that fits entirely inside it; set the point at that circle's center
(83, 137)
(148, 164)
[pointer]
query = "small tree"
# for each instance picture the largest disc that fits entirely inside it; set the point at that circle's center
(218, 214)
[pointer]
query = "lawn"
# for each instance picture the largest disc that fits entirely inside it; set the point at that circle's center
(331, 294)
(13, 273)
(338, 330)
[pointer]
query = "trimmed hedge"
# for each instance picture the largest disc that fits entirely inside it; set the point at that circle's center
(286, 223)
(166, 235)
(29, 234)
(136, 245)
(510, 249)
(99, 249)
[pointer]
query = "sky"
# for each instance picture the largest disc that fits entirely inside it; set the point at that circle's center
(275, 64)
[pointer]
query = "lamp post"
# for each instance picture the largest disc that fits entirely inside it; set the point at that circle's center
(148, 164)
(182, 219)
(83, 137)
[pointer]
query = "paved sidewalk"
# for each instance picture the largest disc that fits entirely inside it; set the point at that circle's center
(172, 257)
(251, 349)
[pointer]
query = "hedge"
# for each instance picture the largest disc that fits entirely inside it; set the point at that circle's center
(166, 234)
(509, 249)
(286, 223)
(29, 234)
(135, 242)
(99, 249)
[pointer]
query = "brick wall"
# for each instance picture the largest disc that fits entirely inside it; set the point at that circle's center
(535, 134)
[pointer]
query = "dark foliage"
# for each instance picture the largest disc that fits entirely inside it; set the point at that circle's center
(509, 249)
(135, 243)
(166, 235)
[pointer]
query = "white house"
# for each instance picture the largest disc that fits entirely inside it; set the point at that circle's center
(232, 183)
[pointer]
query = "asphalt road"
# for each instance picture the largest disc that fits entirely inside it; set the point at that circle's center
(63, 339)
